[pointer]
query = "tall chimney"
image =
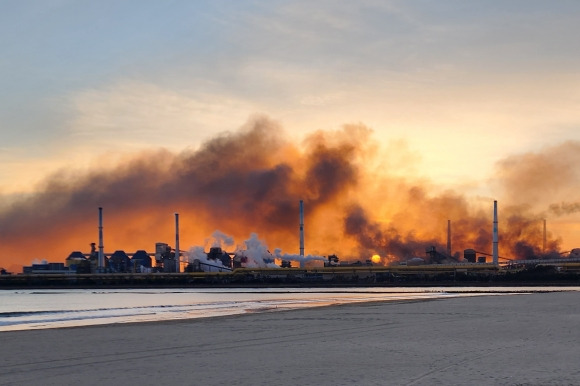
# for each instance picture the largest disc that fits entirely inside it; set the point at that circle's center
(495, 235)
(177, 268)
(449, 237)
(301, 228)
(101, 262)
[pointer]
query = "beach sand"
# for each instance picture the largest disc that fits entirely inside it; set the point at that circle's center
(526, 339)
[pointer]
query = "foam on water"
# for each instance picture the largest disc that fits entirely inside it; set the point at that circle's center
(37, 309)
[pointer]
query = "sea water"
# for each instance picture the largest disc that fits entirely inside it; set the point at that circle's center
(37, 309)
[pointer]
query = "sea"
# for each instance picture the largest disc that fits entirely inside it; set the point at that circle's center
(41, 309)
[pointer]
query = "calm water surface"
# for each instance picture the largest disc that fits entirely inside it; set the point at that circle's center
(37, 309)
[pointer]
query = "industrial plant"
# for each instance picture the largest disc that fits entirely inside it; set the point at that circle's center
(253, 265)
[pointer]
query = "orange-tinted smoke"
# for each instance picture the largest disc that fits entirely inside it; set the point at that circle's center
(252, 180)
(243, 182)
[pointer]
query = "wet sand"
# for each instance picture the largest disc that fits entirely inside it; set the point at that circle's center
(528, 339)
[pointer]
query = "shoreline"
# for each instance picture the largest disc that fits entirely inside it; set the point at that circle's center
(483, 340)
(237, 315)
(426, 284)
(234, 303)
(48, 309)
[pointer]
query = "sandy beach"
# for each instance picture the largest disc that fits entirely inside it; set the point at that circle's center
(526, 339)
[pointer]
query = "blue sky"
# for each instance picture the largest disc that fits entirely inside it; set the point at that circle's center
(461, 84)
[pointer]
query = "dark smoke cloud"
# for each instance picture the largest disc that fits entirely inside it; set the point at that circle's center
(386, 241)
(251, 180)
(539, 177)
(564, 208)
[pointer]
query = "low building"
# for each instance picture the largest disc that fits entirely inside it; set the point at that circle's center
(119, 262)
(47, 268)
(141, 261)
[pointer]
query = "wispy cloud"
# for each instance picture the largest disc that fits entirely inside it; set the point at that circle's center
(136, 114)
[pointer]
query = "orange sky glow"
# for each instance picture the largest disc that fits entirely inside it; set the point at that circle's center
(251, 181)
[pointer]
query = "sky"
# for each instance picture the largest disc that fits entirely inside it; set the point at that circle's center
(473, 99)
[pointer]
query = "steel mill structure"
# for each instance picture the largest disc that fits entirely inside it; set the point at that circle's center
(220, 267)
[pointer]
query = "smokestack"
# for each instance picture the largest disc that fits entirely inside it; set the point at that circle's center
(544, 244)
(449, 237)
(301, 228)
(177, 242)
(495, 235)
(101, 262)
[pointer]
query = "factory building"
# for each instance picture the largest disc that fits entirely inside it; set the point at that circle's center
(164, 258)
(74, 259)
(119, 262)
(46, 268)
(141, 261)
(116, 262)
(218, 260)
(469, 255)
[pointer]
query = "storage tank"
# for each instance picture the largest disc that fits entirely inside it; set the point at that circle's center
(74, 259)
(119, 261)
(469, 255)
(140, 259)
